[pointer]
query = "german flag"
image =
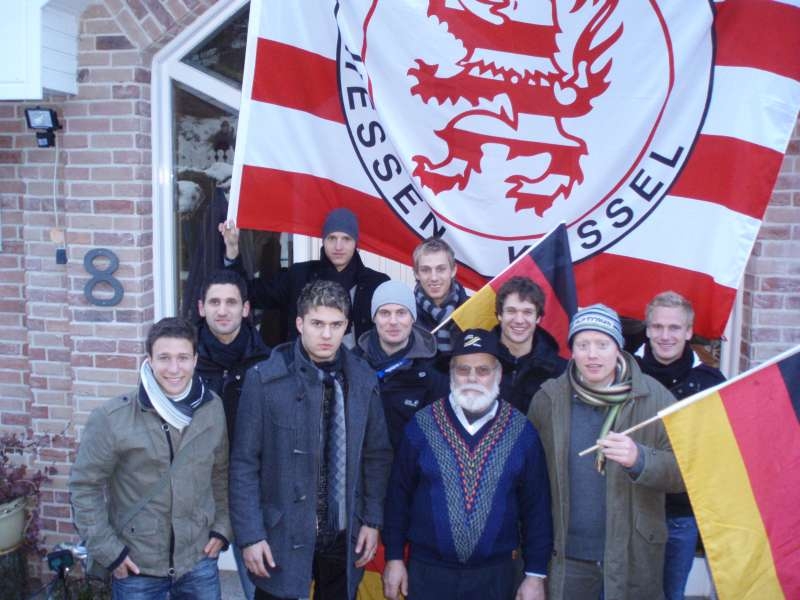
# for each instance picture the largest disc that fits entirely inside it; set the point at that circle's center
(549, 264)
(738, 447)
(371, 587)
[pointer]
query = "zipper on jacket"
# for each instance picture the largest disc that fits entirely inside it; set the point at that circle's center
(171, 570)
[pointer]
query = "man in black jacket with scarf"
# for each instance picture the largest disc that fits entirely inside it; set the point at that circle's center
(339, 261)
(310, 460)
(668, 358)
(227, 346)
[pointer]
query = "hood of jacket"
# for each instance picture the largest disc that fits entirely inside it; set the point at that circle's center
(423, 344)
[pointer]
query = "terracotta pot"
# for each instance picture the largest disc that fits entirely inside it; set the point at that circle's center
(12, 524)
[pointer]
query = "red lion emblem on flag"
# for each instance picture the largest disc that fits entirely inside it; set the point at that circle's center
(522, 64)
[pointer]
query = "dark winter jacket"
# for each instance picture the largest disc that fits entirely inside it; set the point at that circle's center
(275, 463)
(224, 372)
(523, 376)
(408, 379)
(683, 377)
(281, 292)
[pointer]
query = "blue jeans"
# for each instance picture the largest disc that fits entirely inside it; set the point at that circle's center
(201, 583)
(248, 587)
(679, 555)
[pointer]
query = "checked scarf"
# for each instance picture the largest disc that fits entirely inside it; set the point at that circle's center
(438, 314)
(611, 397)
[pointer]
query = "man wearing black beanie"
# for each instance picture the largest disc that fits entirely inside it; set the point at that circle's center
(339, 261)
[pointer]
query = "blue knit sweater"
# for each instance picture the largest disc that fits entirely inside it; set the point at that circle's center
(467, 499)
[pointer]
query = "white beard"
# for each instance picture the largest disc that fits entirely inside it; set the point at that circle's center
(475, 403)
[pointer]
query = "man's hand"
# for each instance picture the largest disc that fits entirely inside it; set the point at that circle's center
(213, 547)
(531, 588)
(395, 580)
(126, 567)
(257, 557)
(619, 448)
(366, 545)
(230, 234)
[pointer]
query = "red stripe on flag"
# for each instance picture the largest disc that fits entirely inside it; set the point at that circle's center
(731, 172)
(274, 200)
(295, 78)
(608, 278)
(759, 34)
(555, 320)
(767, 431)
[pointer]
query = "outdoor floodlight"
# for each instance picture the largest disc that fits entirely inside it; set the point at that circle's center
(44, 121)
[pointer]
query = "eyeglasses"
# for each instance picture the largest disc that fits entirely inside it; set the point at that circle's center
(480, 370)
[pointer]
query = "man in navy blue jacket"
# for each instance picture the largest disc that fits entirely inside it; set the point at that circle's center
(468, 487)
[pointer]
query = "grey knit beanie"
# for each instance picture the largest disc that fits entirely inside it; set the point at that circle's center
(341, 219)
(597, 317)
(394, 292)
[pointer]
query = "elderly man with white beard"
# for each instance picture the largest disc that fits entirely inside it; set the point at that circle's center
(468, 487)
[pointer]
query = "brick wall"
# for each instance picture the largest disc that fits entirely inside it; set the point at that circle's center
(60, 356)
(772, 278)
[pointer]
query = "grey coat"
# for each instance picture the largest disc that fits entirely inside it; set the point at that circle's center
(636, 530)
(123, 453)
(276, 458)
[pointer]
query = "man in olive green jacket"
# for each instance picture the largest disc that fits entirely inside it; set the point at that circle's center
(150, 484)
(608, 509)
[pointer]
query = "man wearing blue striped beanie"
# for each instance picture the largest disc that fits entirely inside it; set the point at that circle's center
(608, 514)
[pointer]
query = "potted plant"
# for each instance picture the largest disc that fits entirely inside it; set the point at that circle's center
(20, 488)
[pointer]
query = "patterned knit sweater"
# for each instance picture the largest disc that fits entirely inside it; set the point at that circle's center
(469, 500)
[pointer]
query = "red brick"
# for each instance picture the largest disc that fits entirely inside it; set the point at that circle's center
(116, 362)
(113, 140)
(9, 418)
(780, 284)
(91, 190)
(89, 124)
(89, 157)
(113, 206)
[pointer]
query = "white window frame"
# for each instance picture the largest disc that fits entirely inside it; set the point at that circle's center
(168, 69)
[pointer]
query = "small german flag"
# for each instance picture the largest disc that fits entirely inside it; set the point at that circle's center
(738, 447)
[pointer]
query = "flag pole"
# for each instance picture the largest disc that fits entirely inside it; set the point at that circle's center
(673, 408)
(522, 255)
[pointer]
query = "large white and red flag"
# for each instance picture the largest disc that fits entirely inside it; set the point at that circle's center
(654, 129)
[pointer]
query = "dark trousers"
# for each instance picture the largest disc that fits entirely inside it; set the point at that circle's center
(583, 579)
(428, 581)
(329, 571)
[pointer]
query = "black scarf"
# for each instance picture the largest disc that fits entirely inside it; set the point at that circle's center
(347, 277)
(378, 359)
(224, 355)
(668, 375)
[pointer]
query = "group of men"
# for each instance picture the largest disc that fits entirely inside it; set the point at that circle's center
(457, 451)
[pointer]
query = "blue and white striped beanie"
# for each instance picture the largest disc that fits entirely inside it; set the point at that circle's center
(597, 317)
